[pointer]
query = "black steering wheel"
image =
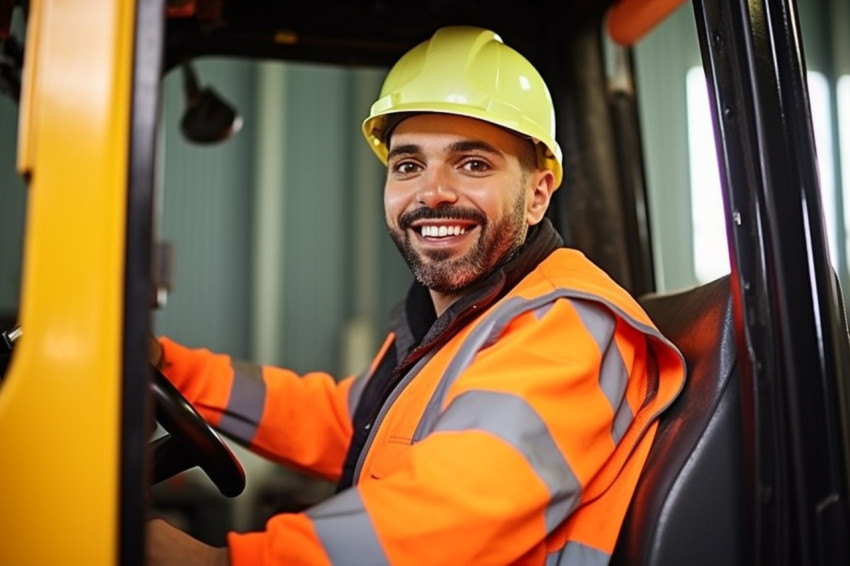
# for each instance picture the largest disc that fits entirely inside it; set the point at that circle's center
(191, 442)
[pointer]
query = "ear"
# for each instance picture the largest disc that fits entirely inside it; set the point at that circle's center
(540, 193)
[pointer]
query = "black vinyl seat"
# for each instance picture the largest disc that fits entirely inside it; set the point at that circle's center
(690, 506)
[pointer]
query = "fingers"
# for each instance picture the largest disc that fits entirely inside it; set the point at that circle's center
(154, 351)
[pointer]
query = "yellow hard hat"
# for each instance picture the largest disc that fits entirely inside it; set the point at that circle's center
(468, 71)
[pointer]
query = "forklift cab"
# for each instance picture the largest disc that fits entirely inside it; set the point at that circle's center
(751, 465)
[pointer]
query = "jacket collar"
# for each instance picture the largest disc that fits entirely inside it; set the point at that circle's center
(415, 322)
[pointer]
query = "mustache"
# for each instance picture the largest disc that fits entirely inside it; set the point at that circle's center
(443, 213)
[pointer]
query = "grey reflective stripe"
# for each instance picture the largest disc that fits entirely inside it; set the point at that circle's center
(513, 420)
(578, 554)
(245, 406)
(346, 532)
(491, 326)
(481, 336)
(613, 377)
(540, 312)
(356, 392)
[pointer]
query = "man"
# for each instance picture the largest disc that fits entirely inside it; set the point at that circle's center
(508, 414)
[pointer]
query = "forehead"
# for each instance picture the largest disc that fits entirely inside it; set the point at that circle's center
(448, 129)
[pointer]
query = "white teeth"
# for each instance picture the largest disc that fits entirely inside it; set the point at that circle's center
(442, 231)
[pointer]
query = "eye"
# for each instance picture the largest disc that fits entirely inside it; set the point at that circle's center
(476, 165)
(405, 167)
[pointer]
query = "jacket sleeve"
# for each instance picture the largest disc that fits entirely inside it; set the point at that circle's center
(303, 422)
(536, 427)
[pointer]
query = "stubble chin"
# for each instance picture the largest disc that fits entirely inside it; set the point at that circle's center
(444, 275)
(447, 273)
(437, 270)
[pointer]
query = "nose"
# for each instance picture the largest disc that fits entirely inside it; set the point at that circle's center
(437, 188)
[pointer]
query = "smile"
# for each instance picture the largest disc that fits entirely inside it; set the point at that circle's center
(442, 231)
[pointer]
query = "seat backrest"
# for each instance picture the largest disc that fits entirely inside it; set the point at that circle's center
(690, 506)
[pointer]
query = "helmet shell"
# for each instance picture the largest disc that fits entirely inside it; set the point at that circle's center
(468, 71)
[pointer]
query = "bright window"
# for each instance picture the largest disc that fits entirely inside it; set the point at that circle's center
(711, 259)
(822, 122)
(844, 146)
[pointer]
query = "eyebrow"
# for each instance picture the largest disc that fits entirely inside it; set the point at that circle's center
(469, 145)
(457, 147)
(406, 149)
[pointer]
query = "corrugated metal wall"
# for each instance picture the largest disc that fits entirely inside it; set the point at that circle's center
(206, 197)
(278, 232)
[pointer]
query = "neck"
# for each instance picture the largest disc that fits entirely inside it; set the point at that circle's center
(442, 301)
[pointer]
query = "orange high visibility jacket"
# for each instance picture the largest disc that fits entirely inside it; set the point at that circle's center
(518, 442)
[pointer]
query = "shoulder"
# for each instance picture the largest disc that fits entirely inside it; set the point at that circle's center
(568, 274)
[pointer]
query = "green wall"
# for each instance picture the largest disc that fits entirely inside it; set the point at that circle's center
(281, 255)
(12, 209)
(662, 60)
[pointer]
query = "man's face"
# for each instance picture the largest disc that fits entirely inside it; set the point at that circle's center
(458, 199)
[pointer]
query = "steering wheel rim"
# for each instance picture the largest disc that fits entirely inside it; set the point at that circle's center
(191, 441)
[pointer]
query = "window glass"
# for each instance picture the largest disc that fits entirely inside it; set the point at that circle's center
(843, 106)
(710, 254)
(711, 258)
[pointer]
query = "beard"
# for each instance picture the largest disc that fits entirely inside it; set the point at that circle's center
(440, 270)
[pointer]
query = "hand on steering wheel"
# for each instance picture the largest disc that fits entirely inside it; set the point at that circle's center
(191, 441)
